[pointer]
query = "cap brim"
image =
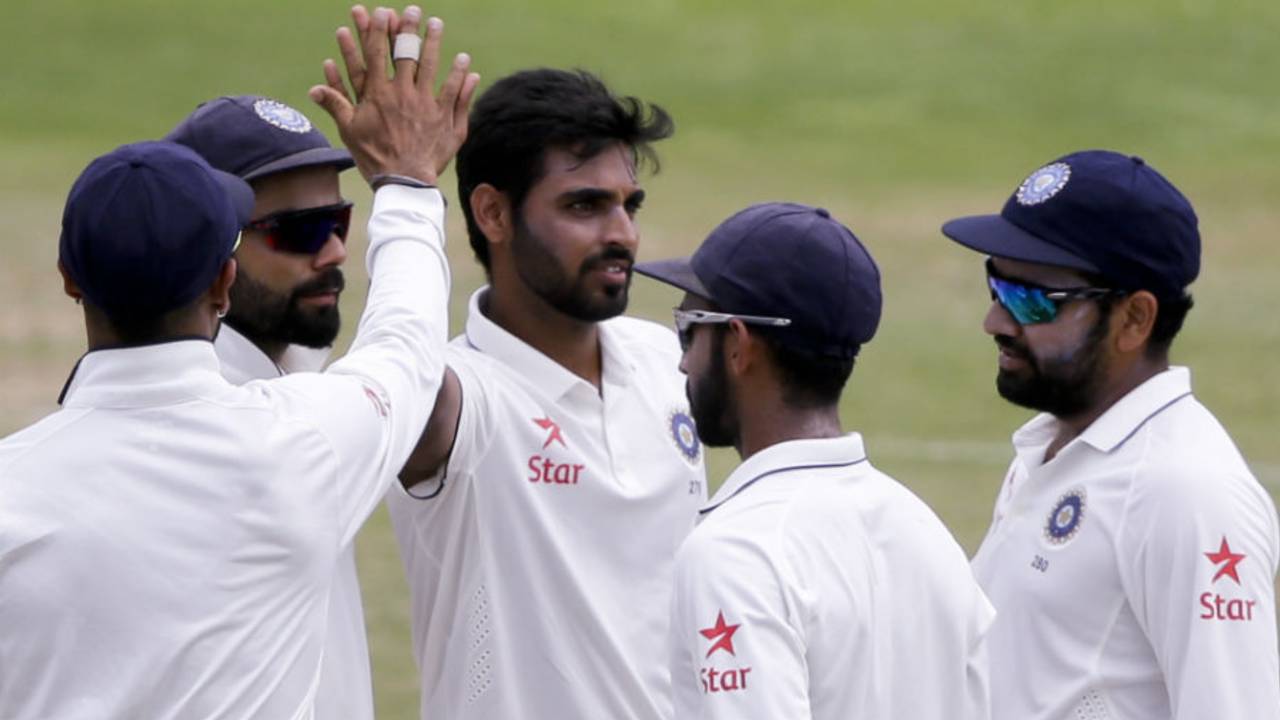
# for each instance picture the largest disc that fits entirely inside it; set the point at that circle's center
(336, 157)
(240, 193)
(996, 236)
(677, 272)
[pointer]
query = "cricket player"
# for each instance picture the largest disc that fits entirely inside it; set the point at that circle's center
(560, 470)
(1132, 554)
(814, 586)
(284, 306)
(168, 539)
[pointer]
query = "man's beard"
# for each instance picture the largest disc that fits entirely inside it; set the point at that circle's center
(267, 317)
(711, 404)
(1062, 386)
(539, 269)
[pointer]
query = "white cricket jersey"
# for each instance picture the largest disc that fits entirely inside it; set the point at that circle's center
(540, 566)
(818, 587)
(1134, 571)
(168, 540)
(346, 687)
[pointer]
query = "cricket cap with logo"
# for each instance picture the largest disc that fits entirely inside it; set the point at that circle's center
(1097, 211)
(148, 227)
(254, 136)
(786, 260)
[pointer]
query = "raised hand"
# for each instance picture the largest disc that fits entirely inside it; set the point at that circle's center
(397, 124)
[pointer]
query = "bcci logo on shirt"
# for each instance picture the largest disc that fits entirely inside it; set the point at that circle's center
(715, 680)
(1064, 521)
(685, 435)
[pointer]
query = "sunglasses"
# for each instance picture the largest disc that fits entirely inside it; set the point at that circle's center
(304, 231)
(687, 319)
(1032, 304)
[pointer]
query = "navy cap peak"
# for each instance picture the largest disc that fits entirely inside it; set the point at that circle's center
(254, 136)
(1097, 211)
(791, 261)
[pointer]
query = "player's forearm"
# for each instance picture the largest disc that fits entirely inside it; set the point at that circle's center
(399, 345)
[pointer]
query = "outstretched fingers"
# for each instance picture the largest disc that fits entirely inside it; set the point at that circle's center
(462, 107)
(373, 42)
(429, 61)
(407, 34)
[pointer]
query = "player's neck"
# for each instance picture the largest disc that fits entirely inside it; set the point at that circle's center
(762, 428)
(1120, 383)
(572, 343)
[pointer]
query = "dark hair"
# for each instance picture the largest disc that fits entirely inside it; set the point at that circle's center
(131, 329)
(808, 380)
(522, 115)
(1170, 314)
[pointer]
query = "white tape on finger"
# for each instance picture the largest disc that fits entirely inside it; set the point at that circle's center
(408, 47)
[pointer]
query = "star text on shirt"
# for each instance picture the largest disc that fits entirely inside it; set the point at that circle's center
(1216, 606)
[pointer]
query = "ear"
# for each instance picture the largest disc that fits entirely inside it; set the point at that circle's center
(69, 286)
(492, 211)
(220, 291)
(742, 350)
(1136, 316)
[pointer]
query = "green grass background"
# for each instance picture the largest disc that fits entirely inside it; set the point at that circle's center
(896, 115)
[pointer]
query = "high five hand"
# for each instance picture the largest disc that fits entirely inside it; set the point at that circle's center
(397, 124)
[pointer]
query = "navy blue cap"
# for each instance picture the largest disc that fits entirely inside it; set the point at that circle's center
(789, 261)
(148, 226)
(1100, 212)
(254, 136)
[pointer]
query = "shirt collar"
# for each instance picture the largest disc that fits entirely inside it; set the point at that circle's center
(486, 336)
(1118, 423)
(241, 360)
(142, 376)
(843, 451)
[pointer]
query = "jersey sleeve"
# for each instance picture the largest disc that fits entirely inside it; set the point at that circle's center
(737, 640)
(1197, 556)
(372, 404)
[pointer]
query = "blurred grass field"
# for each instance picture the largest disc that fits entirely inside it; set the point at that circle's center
(894, 114)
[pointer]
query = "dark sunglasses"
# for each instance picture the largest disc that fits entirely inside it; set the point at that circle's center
(304, 231)
(1031, 304)
(687, 319)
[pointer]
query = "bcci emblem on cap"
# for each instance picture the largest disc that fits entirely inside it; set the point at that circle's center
(1043, 183)
(685, 435)
(282, 116)
(1064, 520)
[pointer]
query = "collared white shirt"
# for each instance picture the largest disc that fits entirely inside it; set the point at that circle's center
(345, 691)
(817, 587)
(168, 540)
(1134, 571)
(540, 568)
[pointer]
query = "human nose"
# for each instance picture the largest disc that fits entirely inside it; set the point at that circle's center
(331, 254)
(621, 229)
(999, 322)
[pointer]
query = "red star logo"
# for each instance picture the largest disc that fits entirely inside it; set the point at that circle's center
(1224, 555)
(547, 423)
(722, 631)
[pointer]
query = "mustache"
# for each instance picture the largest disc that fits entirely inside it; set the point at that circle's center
(329, 280)
(1011, 346)
(608, 255)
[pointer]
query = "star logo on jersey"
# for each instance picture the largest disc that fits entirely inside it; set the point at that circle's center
(722, 634)
(553, 432)
(1227, 559)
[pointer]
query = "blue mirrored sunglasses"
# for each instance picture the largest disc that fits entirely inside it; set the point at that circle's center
(687, 319)
(1032, 304)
